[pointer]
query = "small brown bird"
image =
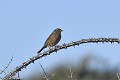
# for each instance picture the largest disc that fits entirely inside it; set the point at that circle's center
(53, 39)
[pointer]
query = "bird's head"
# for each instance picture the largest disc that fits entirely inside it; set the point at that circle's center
(58, 30)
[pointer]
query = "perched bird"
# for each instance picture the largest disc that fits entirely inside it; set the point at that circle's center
(52, 40)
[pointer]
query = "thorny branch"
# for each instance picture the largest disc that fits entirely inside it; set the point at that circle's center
(57, 48)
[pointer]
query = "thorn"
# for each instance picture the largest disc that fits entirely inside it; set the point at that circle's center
(78, 44)
(17, 68)
(118, 42)
(44, 53)
(74, 43)
(25, 67)
(58, 47)
(23, 63)
(55, 50)
(111, 42)
(48, 52)
(65, 46)
(32, 60)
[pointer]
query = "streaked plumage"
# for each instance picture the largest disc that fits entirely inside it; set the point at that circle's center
(52, 40)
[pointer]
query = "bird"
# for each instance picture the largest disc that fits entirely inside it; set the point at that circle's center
(53, 39)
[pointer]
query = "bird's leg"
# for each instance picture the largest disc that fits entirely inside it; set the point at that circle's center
(49, 47)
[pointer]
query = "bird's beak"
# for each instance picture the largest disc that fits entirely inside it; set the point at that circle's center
(61, 30)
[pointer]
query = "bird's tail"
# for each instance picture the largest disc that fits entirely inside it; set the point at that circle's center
(41, 49)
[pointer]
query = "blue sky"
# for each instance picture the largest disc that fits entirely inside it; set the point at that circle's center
(25, 25)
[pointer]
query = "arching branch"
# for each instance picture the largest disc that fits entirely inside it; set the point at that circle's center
(55, 49)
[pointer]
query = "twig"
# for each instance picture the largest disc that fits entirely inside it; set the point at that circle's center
(118, 76)
(57, 48)
(3, 72)
(46, 77)
(71, 73)
(7, 66)
(1, 78)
